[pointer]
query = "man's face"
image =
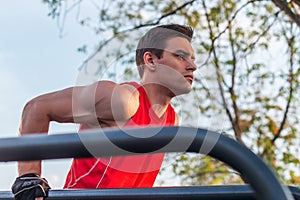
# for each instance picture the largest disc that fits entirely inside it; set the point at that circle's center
(176, 66)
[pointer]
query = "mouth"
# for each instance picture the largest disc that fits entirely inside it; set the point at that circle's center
(189, 77)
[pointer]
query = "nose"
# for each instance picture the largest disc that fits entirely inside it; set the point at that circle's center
(191, 66)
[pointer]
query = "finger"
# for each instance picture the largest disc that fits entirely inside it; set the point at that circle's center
(39, 198)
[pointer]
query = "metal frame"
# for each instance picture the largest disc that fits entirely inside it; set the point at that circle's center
(228, 192)
(252, 168)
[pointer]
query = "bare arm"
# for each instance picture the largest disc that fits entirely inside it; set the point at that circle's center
(101, 103)
(36, 117)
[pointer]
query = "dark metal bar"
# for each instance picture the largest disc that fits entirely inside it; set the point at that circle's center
(148, 140)
(228, 192)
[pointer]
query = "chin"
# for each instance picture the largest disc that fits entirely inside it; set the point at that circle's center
(183, 90)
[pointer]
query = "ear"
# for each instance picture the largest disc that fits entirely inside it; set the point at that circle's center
(149, 60)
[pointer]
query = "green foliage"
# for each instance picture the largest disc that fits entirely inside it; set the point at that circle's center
(248, 53)
(204, 170)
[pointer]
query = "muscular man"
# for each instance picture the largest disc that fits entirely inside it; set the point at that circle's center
(165, 60)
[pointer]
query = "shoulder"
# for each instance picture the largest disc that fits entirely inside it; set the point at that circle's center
(128, 95)
(121, 99)
(111, 89)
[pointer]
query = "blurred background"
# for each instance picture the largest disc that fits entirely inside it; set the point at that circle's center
(246, 86)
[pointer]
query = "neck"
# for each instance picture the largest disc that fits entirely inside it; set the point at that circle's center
(159, 98)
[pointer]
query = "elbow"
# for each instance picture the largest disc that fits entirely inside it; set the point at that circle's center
(32, 107)
(34, 118)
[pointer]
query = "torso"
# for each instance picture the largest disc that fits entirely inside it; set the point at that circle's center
(123, 171)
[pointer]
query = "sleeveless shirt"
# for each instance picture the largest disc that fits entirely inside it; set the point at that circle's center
(123, 171)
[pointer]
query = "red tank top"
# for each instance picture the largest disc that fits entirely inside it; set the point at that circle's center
(122, 171)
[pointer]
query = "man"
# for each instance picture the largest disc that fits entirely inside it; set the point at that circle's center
(165, 60)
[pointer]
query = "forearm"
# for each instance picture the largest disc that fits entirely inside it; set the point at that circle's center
(34, 121)
(36, 117)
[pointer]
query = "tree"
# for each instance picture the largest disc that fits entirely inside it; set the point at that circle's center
(249, 72)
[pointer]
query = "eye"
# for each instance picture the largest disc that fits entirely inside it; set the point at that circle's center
(180, 56)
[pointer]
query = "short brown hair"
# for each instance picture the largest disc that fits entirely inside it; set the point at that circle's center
(155, 40)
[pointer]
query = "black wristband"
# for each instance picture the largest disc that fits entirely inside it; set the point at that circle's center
(29, 175)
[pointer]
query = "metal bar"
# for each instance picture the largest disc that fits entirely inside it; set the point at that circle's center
(148, 140)
(175, 193)
(228, 192)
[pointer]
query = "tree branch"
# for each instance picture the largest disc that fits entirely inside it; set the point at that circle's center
(156, 22)
(264, 32)
(225, 29)
(296, 2)
(283, 5)
(291, 88)
(238, 132)
(219, 75)
(290, 41)
(165, 15)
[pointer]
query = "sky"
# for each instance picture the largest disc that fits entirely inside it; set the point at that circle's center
(34, 59)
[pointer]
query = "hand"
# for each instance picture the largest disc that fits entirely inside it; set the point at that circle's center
(30, 187)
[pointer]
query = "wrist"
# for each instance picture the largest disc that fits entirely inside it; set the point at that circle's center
(29, 175)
